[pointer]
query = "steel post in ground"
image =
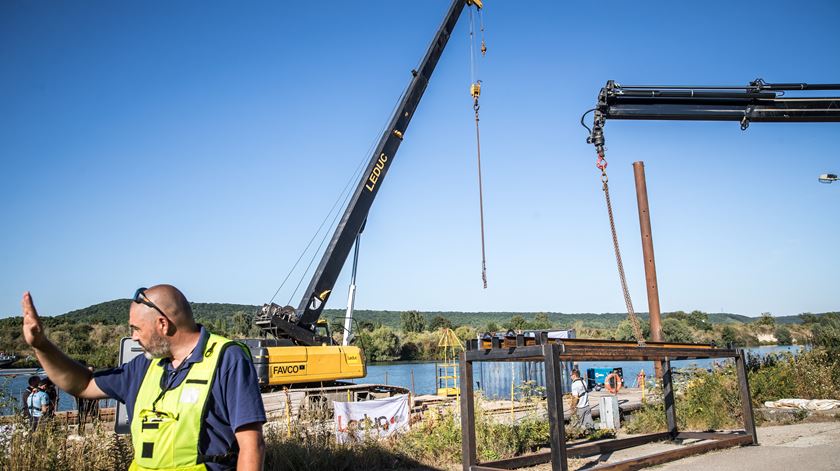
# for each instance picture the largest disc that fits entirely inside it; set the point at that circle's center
(468, 445)
(554, 397)
(668, 393)
(746, 399)
(650, 261)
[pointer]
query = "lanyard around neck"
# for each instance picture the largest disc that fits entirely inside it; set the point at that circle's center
(170, 382)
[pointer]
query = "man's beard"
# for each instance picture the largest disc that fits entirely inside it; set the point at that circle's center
(158, 347)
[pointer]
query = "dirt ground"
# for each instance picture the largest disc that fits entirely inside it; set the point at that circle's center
(806, 446)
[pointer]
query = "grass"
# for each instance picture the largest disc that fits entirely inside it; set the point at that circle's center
(813, 374)
(707, 401)
(710, 400)
(433, 443)
(52, 447)
(306, 443)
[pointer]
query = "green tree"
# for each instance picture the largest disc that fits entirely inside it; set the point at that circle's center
(808, 318)
(367, 325)
(624, 331)
(516, 322)
(675, 330)
(826, 332)
(783, 336)
(491, 327)
(440, 322)
(728, 336)
(766, 319)
(382, 344)
(465, 333)
(412, 321)
(731, 336)
(541, 322)
(699, 320)
(241, 324)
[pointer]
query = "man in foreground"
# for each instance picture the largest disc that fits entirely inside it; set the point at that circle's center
(582, 411)
(192, 398)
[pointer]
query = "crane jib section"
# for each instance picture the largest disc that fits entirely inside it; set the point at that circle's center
(357, 210)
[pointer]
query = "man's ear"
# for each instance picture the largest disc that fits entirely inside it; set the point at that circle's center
(163, 326)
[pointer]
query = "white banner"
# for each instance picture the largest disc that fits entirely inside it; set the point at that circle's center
(377, 418)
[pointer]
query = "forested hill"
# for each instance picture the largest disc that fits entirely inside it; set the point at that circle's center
(116, 312)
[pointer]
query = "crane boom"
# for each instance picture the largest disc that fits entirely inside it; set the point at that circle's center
(757, 102)
(299, 323)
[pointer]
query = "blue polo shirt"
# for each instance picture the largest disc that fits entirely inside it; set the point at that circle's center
(36, 401)
(234, 400)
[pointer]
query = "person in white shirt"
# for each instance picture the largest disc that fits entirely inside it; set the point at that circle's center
(583, 412)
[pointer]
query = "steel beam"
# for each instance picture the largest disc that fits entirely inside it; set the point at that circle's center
(746, 398)
(468, 436)
(554, 397)
(607, 446)
(668, 398)
(672, 455)
(486, 344)
(709, 435)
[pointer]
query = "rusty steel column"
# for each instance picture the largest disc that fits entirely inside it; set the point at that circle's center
(650, 261)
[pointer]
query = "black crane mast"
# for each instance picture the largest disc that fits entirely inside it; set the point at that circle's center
(298, 325)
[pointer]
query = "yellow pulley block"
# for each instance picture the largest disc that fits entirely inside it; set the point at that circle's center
(475, 89)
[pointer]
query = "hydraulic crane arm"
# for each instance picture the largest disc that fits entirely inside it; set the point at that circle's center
(756, 102)
(299, 324)
(759, 101)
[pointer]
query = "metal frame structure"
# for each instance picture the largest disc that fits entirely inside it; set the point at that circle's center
(553, 352)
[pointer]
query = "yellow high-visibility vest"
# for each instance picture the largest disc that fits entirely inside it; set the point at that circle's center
(166, 424)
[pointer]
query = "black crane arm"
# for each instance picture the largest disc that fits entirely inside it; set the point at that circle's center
(299, 324)
(757, 102)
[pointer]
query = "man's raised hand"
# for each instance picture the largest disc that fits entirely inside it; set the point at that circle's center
(33, 330)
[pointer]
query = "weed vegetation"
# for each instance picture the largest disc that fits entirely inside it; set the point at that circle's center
(710, 400)
(52, 447)
(306, 443)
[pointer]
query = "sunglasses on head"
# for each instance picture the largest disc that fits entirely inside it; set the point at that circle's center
(141, 298)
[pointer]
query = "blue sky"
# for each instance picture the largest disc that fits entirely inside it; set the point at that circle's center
(201, 144)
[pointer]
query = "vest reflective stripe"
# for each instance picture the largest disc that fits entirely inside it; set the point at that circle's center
(166, 438)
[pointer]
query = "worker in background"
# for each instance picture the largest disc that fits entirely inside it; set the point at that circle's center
(38, 404)
(52, 394)
(583, 412)
(193, 399)
(31, 386)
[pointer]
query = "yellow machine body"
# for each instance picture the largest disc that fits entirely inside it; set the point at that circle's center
(293, 365)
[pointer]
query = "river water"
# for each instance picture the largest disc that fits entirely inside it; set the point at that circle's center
(492, 378)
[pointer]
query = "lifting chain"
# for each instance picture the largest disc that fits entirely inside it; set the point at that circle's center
(475, 90)
(601, 163)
